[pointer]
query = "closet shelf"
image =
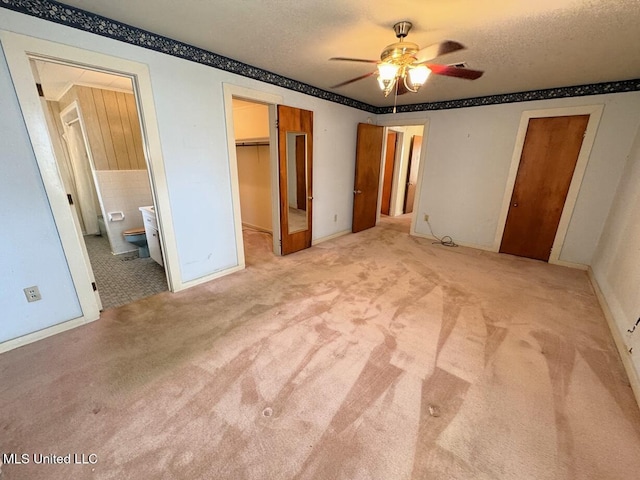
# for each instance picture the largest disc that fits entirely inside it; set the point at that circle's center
(248, 142)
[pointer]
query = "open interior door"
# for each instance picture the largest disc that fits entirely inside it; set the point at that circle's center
(295, 147)
(412, 173)
(367, 178)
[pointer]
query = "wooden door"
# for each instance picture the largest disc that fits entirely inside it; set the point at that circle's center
(412, 172)
(295, 161)
(387, 178)
(549, 156)
(367, 178)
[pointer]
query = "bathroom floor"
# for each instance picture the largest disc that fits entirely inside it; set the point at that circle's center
(123, 278)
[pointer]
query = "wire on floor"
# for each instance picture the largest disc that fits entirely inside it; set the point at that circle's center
(446, 241)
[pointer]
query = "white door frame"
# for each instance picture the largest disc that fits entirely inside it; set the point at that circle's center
(19, 50)
(595, 113)
(271, 100)
(73, 107)
(407, 122)
(395, 175)
(397, 179)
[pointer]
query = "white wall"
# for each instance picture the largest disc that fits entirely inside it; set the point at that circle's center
(31, 249)
(616, 263)
(250, 121)
(254, 179)
(123, 191)
(468, 156)
(189, 105)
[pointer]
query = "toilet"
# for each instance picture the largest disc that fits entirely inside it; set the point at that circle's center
(137, 237)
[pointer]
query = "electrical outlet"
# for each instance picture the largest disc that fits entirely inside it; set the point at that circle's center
(426, 217)
(32, 294)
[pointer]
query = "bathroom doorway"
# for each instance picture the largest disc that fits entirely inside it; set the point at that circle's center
(95, 132)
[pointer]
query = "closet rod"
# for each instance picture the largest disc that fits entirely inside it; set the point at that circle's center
(250, 144)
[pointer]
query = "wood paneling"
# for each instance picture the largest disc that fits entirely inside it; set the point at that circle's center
(117, 131)
(132, 111)
(112, 127)
(91, 121)
(105, 130)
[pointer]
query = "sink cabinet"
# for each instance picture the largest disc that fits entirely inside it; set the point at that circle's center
(151, 231)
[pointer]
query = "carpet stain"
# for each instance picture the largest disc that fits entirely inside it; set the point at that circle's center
(376, 378)
(447, 391)
(560, 358)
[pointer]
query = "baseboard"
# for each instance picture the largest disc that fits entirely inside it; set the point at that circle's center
(634, 380)
(208, 278)
(44, 333)
(124, 253)
(330, 237)
(256, 227)
(577, 266)
(462, 244)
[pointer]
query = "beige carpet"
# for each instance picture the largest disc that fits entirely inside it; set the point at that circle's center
(372, 356)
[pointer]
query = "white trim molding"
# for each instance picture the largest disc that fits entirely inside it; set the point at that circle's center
(44, 333)
(330, 237)
(618, 339)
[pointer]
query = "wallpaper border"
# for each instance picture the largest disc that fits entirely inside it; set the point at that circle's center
(82, 20)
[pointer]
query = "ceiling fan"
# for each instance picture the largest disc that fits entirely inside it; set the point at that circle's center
(405, 66)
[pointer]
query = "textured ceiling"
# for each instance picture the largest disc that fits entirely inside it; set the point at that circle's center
(520, 45)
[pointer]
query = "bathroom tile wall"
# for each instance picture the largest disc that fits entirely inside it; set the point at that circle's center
(123, 191)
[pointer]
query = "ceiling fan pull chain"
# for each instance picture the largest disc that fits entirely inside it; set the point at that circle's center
(395, 98)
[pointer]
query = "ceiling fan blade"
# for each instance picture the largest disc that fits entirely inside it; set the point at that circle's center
(347, 59)
(361, 77)
(458, 72)
(437, 49)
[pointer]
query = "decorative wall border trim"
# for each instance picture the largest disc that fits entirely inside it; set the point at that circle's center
(547, 94)
(82, 20)
(90, 22)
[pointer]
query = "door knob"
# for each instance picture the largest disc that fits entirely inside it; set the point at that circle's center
(515, 204)
(310, 198)
(357, 191)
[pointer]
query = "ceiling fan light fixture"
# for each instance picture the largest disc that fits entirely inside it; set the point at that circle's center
(403, 65)
(387, 71)
(386, 86)
(418, 76)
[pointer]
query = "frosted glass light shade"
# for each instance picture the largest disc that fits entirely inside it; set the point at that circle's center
(418, 76)
(387, 71)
